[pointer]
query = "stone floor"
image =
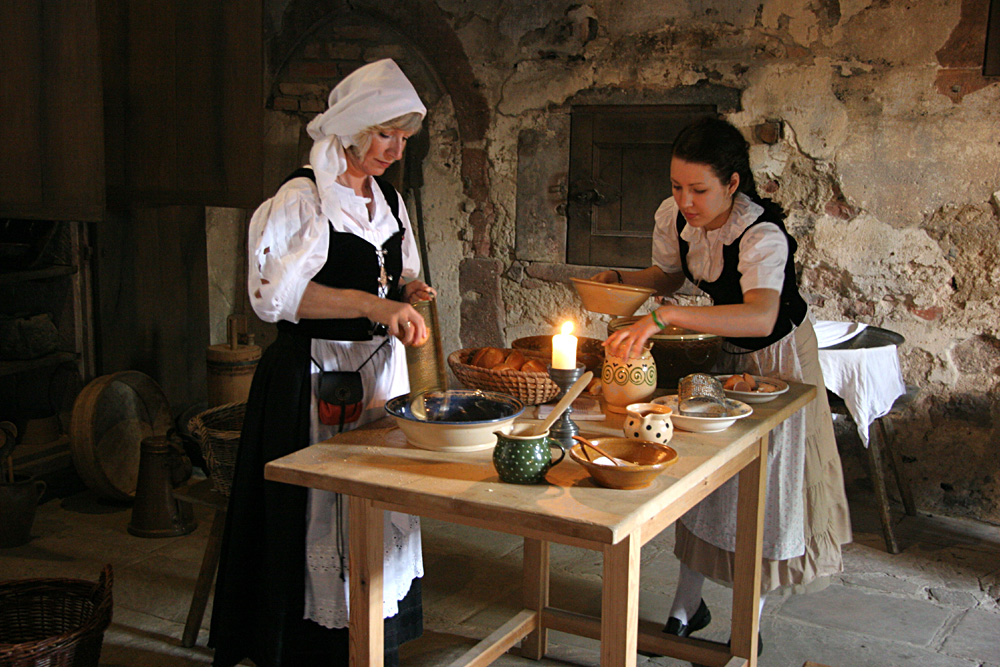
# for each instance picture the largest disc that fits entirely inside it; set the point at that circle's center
(935, 604)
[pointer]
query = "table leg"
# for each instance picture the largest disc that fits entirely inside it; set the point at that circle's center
(749, 551)
(620, 603)
(365, 583)
(877, 470)
(536, 595)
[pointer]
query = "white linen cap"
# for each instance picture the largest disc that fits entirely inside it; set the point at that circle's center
(368, 96)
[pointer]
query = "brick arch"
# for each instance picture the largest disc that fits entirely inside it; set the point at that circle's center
(424, 26)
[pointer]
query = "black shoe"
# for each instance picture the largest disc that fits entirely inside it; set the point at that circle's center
(701, 619)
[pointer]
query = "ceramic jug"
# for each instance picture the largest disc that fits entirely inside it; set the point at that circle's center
(524, 459)
(18, 500)
(626, 381)
(649, 421)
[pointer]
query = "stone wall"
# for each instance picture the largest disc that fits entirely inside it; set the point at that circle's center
(881, 138)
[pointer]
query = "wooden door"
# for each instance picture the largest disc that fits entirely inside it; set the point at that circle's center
(619, 173)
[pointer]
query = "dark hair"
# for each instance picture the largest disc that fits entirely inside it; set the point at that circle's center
(718, 145)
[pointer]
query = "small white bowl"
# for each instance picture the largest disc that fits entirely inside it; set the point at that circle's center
(737, 410)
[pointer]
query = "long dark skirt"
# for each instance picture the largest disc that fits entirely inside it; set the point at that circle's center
(260, 590)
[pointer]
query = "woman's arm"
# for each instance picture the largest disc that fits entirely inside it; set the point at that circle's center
(402, 319)
(665, 284)
(753, 318)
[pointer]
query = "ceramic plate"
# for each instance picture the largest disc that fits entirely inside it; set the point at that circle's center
(737, 410)
(757, 396)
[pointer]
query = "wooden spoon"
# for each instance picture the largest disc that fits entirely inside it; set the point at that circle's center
(575, 390)
(588, 443)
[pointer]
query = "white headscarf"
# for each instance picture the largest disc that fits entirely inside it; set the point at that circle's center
(370, 95)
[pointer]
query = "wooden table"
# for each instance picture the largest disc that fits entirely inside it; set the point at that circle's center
(380, 472)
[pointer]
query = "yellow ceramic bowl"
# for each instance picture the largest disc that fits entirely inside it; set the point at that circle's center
(611, 298)
(651, 459)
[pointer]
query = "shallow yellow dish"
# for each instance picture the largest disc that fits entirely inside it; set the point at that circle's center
(650, 459)
(611, 298)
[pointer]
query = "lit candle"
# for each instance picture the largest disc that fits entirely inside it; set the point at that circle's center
(564, 348)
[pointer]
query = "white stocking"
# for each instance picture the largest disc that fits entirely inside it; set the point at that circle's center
(688, 595)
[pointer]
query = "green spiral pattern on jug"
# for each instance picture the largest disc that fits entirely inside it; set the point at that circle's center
(622, 374)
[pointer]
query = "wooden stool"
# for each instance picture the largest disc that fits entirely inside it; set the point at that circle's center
(202, 492)
(881, 445)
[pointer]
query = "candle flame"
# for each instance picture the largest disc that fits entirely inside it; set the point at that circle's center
(567, 328)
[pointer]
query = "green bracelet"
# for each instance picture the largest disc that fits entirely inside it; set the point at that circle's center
(657, 322)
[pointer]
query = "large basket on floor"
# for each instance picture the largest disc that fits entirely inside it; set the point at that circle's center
(529, 388)
(218, 431)
(54, 622)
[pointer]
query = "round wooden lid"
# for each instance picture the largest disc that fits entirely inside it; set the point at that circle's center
(111, 416)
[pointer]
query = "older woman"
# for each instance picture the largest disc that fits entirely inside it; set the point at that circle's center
(333, 261)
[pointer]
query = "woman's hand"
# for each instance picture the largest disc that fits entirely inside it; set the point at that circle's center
(610, 276)
(418, 290)
(402, 319)
(630, 341)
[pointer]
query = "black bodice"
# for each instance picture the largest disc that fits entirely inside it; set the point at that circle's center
(726, 290)
(353, 263)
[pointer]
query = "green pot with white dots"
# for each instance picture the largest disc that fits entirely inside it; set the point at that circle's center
(524, 457)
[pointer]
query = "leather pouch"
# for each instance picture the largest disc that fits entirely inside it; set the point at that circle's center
(341, 396)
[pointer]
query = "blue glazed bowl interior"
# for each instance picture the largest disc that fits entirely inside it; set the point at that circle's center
(455, 406)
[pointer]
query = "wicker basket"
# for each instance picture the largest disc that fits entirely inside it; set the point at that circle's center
(529, 388)
(54, 622)
(218, 431)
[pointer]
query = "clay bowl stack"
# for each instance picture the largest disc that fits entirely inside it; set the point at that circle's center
(522, 374)
(611, 298)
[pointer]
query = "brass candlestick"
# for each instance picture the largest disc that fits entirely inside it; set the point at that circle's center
(565, 428)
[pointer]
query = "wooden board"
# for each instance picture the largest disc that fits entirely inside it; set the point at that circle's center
(111, 417)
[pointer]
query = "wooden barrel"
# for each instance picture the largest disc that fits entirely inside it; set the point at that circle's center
(230, 368)
(111, 416)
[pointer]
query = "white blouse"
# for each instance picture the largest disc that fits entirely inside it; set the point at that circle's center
(763, 249)
(289, 238)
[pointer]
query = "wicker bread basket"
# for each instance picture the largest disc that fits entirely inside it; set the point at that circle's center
(529, 388)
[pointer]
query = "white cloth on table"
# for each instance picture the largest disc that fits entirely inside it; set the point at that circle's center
(833, 333)
(868, 379)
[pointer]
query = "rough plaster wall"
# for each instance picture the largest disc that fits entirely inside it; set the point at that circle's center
(888, 162)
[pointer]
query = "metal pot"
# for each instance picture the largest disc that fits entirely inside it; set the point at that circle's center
(677, 352)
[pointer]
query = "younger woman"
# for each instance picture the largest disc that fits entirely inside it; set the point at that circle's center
(717, 232)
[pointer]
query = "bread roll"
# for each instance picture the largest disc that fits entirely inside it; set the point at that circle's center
(515, 360)
(503, 368)
(488, 357)
(533, 366)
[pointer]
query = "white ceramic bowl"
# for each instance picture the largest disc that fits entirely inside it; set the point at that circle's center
(456, 420)
(611, 298)
(756, 396)
(737, 410)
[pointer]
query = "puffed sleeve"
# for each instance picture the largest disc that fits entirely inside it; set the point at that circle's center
(763, 253)
(666, 252)
(287, 246)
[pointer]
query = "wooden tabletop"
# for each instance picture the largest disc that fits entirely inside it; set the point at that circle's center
(377, 463)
